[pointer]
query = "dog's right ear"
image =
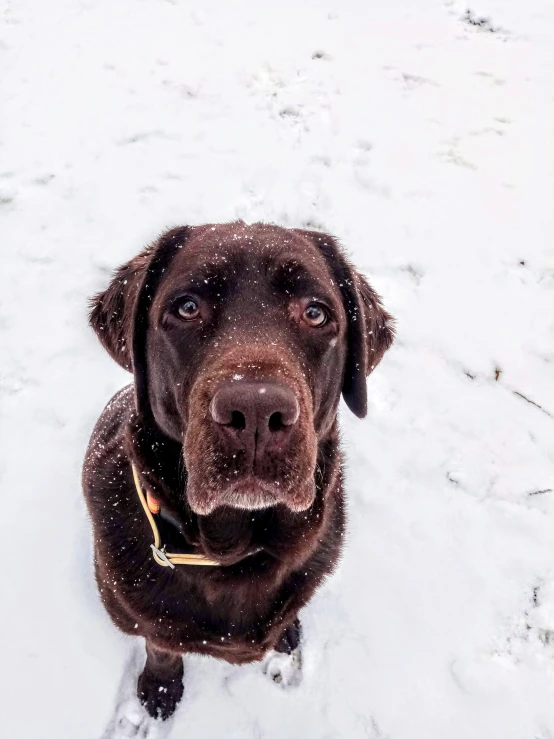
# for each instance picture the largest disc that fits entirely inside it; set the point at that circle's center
(112, 311)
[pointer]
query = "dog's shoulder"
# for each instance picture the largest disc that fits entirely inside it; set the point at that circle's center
(108, 433)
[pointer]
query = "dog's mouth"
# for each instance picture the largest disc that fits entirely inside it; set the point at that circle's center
(249, 494)
(207, 491)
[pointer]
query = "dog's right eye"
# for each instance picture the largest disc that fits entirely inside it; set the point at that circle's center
(188, 309)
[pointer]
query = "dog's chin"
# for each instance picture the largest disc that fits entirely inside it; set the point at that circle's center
(249, 495)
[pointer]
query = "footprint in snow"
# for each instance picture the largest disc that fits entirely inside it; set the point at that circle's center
(130, 719)
(284, 669)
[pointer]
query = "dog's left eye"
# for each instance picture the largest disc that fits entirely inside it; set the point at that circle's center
(315, 315)
(188, 309)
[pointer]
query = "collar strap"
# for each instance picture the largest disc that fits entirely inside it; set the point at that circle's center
(164, 559)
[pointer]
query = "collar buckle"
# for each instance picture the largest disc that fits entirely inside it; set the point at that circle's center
(162, 555)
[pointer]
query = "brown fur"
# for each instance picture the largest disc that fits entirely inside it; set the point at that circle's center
(253, 284)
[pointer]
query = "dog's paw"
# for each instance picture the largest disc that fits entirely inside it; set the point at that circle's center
(284, 670)
(159, 698)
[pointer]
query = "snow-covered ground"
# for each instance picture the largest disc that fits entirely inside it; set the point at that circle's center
(420, 136)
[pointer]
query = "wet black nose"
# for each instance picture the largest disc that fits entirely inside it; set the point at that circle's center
(255, 416)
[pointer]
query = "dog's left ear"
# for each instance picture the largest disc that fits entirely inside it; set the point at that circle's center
(370, 328)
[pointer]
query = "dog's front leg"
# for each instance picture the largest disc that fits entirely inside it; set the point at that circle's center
(290, 638)
(160, 687)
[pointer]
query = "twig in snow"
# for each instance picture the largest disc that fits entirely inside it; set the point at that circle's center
(515, 392)
(484, 24)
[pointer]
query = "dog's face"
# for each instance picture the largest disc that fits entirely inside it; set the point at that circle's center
(241, 339)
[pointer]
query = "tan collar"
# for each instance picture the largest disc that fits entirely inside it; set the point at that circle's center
(163, 558)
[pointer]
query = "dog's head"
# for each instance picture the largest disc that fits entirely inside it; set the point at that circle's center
(241, 339)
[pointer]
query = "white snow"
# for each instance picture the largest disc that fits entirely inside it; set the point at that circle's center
(424, 142)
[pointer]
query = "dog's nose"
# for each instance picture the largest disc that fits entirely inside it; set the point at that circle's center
(255, 415)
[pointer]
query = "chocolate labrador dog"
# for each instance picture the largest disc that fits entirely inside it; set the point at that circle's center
(214, 482)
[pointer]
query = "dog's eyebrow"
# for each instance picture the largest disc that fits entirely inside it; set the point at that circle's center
(204, 277)
(292, 276)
